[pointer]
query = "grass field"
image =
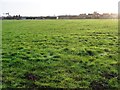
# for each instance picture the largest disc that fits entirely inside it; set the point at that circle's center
(60, 53)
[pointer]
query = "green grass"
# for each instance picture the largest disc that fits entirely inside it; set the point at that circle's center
(60, 53)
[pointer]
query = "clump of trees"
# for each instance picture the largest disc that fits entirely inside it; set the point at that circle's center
(13, 17)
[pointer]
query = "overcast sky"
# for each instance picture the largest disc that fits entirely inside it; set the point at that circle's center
(57, 7)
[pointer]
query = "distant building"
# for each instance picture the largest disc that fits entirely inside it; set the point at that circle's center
(114, 15)
(89, 16)
(64, 17)
(82, 16)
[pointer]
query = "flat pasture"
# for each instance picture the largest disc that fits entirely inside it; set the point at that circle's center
(60, 53)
